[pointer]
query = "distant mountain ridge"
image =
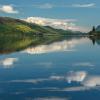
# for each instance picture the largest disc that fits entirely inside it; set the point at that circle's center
(98, 28)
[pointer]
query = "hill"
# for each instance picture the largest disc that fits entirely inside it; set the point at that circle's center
(13, 26)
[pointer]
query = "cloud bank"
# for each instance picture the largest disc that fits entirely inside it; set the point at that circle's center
(50, 5)
(89, 5)
(65, 24)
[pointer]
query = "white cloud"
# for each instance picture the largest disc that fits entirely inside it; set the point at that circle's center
(66, 24)
(89, 5)
(51, 22)
(8, 9)
(49, 5)
(8, 62)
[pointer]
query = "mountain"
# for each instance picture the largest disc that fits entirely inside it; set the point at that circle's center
(98, 28)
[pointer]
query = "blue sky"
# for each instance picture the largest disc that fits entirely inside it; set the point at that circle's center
(86, 12)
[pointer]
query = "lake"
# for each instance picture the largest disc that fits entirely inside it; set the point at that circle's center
(62, 70)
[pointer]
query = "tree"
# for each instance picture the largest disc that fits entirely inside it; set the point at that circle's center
(93, 29)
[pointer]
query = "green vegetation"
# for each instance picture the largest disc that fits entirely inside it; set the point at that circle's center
(10, 26)
(95, 31)
(17, 34)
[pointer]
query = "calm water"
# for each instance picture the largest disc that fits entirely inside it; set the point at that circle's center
(63, 70)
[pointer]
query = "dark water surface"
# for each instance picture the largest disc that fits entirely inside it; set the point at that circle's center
(63, 70)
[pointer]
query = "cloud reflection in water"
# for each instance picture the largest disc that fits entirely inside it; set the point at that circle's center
(66, 45)
(8, 62)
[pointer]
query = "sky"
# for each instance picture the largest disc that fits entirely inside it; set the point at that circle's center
(83, 13)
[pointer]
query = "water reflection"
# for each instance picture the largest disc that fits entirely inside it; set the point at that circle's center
(84, 64)
(70, 74)
(76, 76)
(95, 40)
(65, 45)
(51, 98)
(8, 62)
(85, 80)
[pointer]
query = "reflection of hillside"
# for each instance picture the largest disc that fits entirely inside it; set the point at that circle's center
(9, 44)
(52, 44)
(65, 45)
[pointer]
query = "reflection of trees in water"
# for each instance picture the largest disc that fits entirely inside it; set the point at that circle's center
(95, 40)
(92, 39)
(9, 45)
